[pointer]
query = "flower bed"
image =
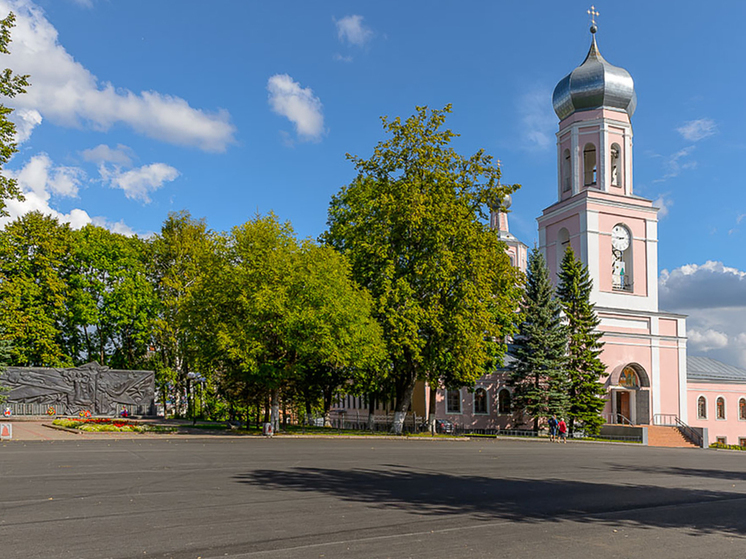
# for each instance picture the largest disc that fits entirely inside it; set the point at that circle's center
(103, 424)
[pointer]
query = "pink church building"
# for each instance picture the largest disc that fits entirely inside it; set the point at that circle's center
(650, 380)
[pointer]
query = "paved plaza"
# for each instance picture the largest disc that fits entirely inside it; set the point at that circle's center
(245, 497)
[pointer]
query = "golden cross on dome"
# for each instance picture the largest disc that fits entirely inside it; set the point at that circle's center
(594, 14)
(499, 163)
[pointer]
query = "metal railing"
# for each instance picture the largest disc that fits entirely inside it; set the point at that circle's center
(617, 419)
(672, 420)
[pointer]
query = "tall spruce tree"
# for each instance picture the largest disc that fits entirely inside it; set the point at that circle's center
(539, 375)
(584, 366)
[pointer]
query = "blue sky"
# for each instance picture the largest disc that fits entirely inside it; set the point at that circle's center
(229, 108)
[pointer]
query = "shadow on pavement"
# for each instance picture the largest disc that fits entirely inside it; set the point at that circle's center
(676, 471)
(519, 500)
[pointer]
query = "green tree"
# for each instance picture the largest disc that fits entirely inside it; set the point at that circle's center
(177, 261)
(283, 314)
(585, 369)
(412, 225)
(539, 374)
(339, 342)
(111, 302)
(10, 86)
(34, 269)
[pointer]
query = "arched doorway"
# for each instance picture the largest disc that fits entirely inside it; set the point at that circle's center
(630, 396)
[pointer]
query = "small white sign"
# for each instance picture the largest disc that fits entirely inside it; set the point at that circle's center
(6, 431)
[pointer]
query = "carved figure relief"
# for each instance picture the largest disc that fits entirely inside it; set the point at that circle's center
(88, 387)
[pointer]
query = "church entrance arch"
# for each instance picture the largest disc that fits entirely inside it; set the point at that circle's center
(630, 395)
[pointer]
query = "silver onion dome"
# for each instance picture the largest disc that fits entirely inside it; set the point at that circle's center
(595, 84)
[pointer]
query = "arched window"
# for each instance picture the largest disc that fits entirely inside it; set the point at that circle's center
(702, 408)
(563, 241)
(480, 401)
(589, 165)
(628, 378)
(720, 408)
(503, 402)
(566, 184)
(616, 171)
(742, 409)
(453, 401)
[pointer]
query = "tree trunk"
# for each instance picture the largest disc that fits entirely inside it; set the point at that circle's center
(371, 412)
(328, 395)
(403, 401)
(431, 409)
(275, 413)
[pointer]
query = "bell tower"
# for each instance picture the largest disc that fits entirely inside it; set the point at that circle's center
(615, 233)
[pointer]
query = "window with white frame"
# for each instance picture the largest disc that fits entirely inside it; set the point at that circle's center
(503, 401)
(589, 165)
(721, 440)
(702, 408)
(742, 409)
(720, 408)
(480, 401)
(453, 401)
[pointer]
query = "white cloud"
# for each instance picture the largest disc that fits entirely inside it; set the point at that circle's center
(538, 120)
(66, 93)
(707, 340)
(299, 105)
(39, 179)
(706, 286)
(695, 130)
(40, 176)
(714, 297)
(677, 162)
(664, 203)
(339, 58)
(102, 153)
(114, 226)
(25, 120)
(137, 183)
(351, 29)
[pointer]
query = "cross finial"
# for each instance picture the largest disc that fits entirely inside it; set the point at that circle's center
(499, 163)
(593, 13)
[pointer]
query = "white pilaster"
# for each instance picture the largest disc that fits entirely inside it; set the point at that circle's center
(655, 362)
(628, 161)
(591, 258)
(575, 160)
(651, 261)
(683, 400)
(603, 140)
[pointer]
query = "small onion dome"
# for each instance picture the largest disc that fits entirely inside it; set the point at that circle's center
(501, 203)
(595, 84)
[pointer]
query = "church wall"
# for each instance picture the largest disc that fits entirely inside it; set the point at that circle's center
(669, 378)
(668, 327)
(635, 222)
(732, 428)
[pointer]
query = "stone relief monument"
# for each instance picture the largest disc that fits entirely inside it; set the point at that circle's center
(91, 387)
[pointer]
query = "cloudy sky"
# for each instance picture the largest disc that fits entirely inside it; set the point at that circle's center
(227, 108)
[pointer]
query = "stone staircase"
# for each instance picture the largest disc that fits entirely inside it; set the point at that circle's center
(659, 435)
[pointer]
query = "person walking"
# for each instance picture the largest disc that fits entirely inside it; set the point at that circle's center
(562, 431)
(553, 428)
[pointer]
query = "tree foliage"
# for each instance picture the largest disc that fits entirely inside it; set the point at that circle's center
(284, 314)
(34, 273)
(10, 86)
(584, 366)
(412, 225)
(540, 374)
